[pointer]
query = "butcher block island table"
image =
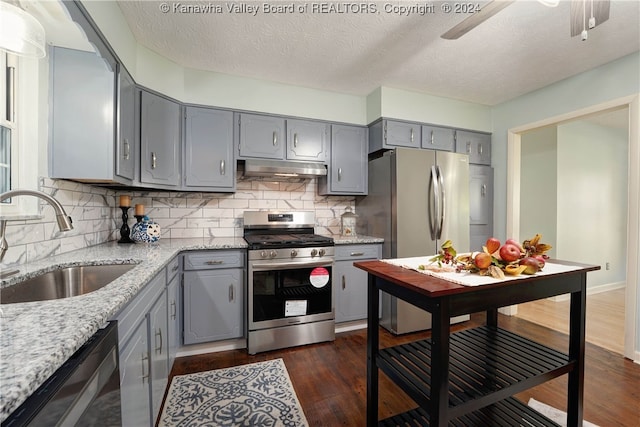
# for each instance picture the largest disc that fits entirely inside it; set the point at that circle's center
(468, 378)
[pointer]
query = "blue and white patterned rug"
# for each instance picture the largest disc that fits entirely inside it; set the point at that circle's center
(257, 394)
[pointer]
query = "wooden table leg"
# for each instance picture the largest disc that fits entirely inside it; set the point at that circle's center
(575, 388)
(492, 317)
(373, 340)
(440, 320)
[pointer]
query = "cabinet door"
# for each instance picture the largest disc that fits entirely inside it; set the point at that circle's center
(480, 205)
(476, 145)
(134, 379)
(82, 116)
(173, 327)
(401, 134)
(125, 147)
(209, 148)
(160, 140)
(307, 140)
(348, 168)
(262, 136)
(213, 305)
(158, 341)
(437, 138)
(351, 292)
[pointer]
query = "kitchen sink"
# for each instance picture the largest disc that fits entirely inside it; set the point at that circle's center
(64, 282)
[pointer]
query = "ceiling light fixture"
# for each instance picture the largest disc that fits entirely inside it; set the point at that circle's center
(20, 33)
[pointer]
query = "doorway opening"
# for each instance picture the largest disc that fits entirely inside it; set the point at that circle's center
(572, 180)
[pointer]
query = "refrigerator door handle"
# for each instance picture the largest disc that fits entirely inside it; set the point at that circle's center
(441, 202)
(433, 201)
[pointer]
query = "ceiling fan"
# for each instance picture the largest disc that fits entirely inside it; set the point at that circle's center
(585, 14)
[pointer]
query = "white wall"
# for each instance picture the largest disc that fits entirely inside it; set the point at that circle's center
(592, 199)
(538, 186)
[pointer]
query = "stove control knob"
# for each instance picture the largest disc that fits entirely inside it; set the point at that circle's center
(314, 252)
(263, 254)
(294, 253)
(273, 254)
(321, 252)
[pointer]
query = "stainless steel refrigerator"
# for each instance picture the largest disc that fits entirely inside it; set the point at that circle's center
(417, 200)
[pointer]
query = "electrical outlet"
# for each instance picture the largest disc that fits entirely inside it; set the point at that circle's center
(607, 266)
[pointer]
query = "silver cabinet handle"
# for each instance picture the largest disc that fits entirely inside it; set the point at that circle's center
(483, 190)
(275, 138)
(174, 310)
(468, 146)
(222, 167)
(153, 160)
(344, 282)
(175, 267)
(295, 139)
(339, 174)
(433, 141)
(357, 253)
(127, 150)
(214, 262)
(145, 361)
(411, 137)
(159, 334)
(231, 293)
(480, 149)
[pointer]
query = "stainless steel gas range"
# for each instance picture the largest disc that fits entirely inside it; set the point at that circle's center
(290, 296)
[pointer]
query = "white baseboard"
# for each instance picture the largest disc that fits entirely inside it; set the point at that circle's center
(351, 326)
(212, 347)
(593, 290)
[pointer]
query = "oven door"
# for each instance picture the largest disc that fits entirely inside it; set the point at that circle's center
(284, 292)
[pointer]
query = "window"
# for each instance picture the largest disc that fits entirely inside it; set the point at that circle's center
(22, 80)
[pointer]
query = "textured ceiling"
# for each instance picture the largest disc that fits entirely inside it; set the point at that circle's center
(524, 47)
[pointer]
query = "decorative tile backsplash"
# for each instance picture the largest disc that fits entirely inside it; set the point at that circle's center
(97, 219)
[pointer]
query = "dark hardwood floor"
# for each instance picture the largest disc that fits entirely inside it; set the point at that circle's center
(330, 378)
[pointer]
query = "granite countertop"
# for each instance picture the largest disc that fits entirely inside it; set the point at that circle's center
(36, 338)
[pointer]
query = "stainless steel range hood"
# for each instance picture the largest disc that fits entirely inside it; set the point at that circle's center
(283, 169)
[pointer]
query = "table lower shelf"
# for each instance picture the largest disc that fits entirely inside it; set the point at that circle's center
(507, 413)
(486, 365)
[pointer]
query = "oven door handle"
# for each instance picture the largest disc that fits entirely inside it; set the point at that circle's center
(284, 265)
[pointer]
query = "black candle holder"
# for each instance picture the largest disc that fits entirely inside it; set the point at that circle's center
(124, 230)
(139, 218)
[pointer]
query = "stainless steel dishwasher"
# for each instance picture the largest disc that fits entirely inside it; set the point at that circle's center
(84, 391)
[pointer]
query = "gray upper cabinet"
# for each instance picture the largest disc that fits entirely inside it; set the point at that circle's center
(261, 136)
(438, 138)
(307, 140)
(476, 145)
(347, 171)
(208, 151)
(83, 145)
(126, 144)
(401, 134)
(160, 141)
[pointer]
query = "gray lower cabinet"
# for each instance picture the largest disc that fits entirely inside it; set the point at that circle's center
(480, 205)
(208, 151)
(213, 296)
(350, 283)
(159, 141)
(261, 136)
(174, 309)
(477, 145)
(438, 138)
(347, 170)
(86, 106)
(307, 140)
(143, 353)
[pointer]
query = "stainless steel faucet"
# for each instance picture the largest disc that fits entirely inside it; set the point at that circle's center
(64, 221)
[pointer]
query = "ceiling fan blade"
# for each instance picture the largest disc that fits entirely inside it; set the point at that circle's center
(486, 12)
(581, 13)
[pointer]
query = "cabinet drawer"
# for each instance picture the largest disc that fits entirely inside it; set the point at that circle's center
(213, 259)
(172, 268)
(346, 252)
